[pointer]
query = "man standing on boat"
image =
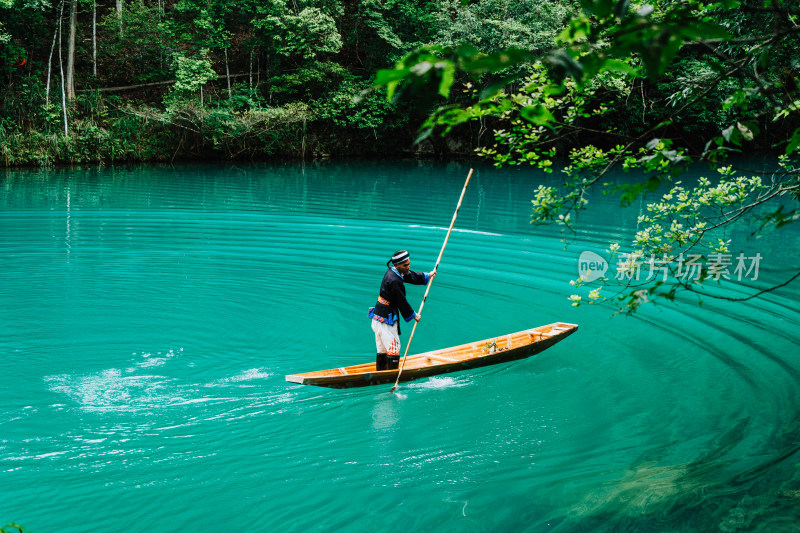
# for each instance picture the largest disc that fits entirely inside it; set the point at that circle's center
(391, 303)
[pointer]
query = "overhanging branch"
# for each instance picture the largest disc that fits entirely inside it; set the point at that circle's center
(151, 84)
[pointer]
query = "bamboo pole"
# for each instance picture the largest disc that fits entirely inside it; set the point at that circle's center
(428, 288)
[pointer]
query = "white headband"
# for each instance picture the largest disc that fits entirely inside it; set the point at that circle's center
(400, 257)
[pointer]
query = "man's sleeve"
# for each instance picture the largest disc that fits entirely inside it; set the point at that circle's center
(399, 299)
(416, 278)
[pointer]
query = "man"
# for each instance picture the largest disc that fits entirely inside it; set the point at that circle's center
(391, 300)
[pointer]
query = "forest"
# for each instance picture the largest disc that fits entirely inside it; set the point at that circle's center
(87, 81)
(121, 81)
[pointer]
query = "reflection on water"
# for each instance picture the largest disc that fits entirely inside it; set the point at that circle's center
(152, 312)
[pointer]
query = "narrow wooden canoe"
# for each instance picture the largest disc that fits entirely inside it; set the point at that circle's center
(481, 353)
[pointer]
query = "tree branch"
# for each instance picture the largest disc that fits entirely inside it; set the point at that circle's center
(746, 298)
(151, 84)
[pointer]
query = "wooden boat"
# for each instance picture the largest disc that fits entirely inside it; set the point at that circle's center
(471, 355)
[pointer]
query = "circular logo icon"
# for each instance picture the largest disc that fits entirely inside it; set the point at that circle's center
(591, 266)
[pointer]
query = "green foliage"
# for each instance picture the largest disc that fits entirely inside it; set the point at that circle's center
(374, 18)
(137, 54)
(657, 87)
(206, 24)
(305, 34)
(523, 131)
(494, 25)
(432, 67)
(303, 56)
(690, 222)
(352, 106)
(162, 64)
(5, 37)
(191, 73)
(230, 133)
(308, 82)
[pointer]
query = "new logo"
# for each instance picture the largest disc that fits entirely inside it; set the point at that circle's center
(591, 266)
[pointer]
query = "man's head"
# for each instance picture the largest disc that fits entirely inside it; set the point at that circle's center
(401, 261)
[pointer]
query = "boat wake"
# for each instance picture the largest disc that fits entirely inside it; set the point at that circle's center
(253, 374)
(438, 383)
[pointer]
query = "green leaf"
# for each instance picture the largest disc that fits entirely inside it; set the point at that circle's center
(621, 8)
(645, 11)
(388, 75)
(537, 114)
(746, 132)
(794, 142)
(454, 116)
(729, 134)
(599, 8)
(629, 194)
(422, 68)
(466, 51)
(494, 88)
(615, 65)
(448, 76)
(554, 89)
(704, 30)
(562, 64)
(676, 170)
(478, 64)
(424, 134)
(662, 55)
(578, 29)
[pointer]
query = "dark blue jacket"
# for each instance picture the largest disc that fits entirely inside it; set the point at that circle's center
(393, 290)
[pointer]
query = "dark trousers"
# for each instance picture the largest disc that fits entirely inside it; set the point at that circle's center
(387, 362)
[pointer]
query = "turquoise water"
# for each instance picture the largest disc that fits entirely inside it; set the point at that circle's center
(149, 316)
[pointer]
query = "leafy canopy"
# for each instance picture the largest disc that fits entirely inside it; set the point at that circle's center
(735, 62)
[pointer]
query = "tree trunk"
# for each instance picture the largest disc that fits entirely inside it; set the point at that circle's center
(303, 147)
(251, 69)
(73, 15)
(228, 74)
(161, 40)
(94, 38)
(61, 69)
(50, 61)
(119, 16)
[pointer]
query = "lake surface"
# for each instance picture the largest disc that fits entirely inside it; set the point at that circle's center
(149, 316)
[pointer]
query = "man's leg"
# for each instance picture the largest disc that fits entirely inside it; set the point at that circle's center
(382, 342)
(393, 353)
